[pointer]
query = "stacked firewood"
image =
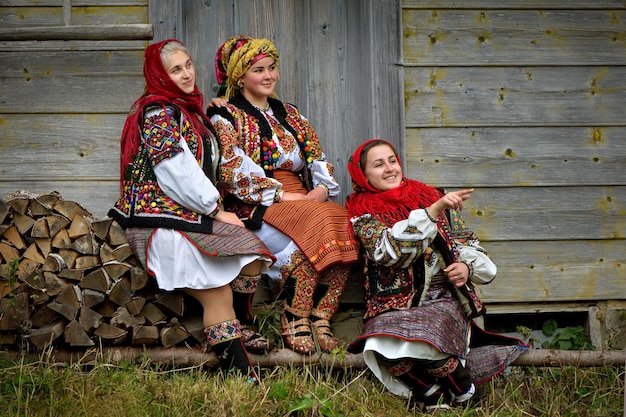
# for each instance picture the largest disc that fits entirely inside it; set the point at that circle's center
(70, 279)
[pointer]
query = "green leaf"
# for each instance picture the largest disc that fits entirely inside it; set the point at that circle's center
(549, 327)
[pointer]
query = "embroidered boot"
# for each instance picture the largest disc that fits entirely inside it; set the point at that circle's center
(426, 392)
(453, 376)
(225, 340)
(243, 288)
(326, 301)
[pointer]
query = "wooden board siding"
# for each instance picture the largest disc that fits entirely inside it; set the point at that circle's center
(526, 103)
(339, 60)
(64, 102)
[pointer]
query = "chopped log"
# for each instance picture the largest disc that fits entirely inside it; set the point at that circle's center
(6, 287)
(69, 209)
(48, 200)
(72, 274)
(13, 236)
(36, 280)
(54, 284)
(5, 209)
(41, 229)
(145, 335)
(89, 319)
(23, 222)
(120, 292)
(96, 280)
(138, 278)
(33, 254)
(69, 257)
(135, 305)
(38, 297)
(8, 252)
(123, 319)
(54, 263)
(66, 311)
(195, 326)
(171, 302)
(101, 227)
(44, 245)
(86, 245)
(92, 298)
(173, 334)
(123, 252)
(87, 262)
(106, 253)
(19, 203)
(117, 235)
(116, 269)
(70, 296)
(153, 314)
(56, 223)
(111, 334)
(46, 335)
(37, 209)
(43, 316)
(76, 336)
(25, 268)
(62, 240)
(79, 227)
(106, 308)
(14, 312)
(8, 339)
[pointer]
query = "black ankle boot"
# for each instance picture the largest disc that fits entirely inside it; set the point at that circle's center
(225, 340)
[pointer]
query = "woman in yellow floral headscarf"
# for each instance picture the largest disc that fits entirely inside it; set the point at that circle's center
(276, 177)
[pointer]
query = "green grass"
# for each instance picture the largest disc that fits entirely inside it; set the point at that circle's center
(43, 389)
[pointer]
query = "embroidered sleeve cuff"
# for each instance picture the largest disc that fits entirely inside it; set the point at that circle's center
(214, 212)
(431, 218)
(324, 186)
(470, 267)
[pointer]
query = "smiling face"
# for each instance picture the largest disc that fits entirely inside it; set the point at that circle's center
(382, 168)
(181, 70)
(259, 81)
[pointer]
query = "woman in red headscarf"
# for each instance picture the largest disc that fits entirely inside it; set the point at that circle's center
(277, 177)
(169, 204)
(420, 263)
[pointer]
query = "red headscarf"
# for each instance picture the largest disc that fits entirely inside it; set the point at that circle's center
(159, 89)
(388, 206)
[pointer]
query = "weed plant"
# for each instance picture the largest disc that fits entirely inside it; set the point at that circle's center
(133, 390)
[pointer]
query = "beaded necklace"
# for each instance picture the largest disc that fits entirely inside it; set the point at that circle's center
(269, 153)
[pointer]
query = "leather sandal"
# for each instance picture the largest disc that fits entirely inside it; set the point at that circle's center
(324, 335)
(255, 342)
(297, 335)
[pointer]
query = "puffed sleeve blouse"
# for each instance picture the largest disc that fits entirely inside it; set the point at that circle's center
(242, 173)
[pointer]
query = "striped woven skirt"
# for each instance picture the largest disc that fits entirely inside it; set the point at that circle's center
(320, 229)
(436, 329)
(197, 260)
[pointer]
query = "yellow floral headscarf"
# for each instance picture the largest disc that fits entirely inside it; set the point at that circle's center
(235, 57)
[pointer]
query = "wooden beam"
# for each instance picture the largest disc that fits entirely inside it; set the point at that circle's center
(182, 357)
(85, 32)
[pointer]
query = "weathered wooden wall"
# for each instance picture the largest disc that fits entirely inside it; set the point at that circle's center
(525, 101)
(69, 72)
(333, 56)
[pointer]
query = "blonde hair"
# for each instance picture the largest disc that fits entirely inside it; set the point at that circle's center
(171, 48)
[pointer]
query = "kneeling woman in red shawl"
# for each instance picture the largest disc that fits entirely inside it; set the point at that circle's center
(420, 263)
